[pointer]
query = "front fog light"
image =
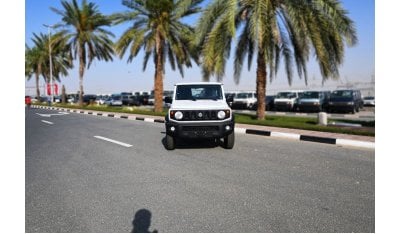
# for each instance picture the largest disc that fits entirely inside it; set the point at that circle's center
(227, 128)
(172, 129)
(178, 115)
(221, 114)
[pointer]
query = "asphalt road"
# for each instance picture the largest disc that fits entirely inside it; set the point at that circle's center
(76, 182)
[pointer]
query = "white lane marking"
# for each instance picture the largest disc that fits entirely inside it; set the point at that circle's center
(113, 141)
(43, 115)
(48, 122)
(49, 115)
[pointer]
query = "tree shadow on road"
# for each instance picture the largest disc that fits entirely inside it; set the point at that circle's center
(142, 221)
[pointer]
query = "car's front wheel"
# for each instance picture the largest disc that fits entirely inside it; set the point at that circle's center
(229, 141)
(354, 110)
(170, 142)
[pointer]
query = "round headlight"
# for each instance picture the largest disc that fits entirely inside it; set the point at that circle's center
(178, 115)
(221, 114)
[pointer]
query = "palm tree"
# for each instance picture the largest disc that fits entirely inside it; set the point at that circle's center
(37, 58)
(274, 29)
(88, 39)
(156, 28)
(61, 56)
(32, 66)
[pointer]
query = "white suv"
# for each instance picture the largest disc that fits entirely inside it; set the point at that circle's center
(244, 100)
(287, 100)
(199, 110)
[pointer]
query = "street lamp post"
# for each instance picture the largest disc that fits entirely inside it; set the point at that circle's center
(51, 62)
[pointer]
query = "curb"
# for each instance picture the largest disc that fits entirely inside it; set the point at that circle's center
(293, 136)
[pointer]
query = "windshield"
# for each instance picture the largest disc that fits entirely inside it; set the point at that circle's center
(195, 92)
(244, 95)
(286, 95)
(310, 95)
(342, 93)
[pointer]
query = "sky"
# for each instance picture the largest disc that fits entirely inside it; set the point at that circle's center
(119, 76)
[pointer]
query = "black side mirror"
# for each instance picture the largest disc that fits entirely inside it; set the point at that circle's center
(229, 99)
(168, 100)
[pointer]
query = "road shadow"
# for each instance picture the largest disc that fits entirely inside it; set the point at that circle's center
(142, 221)
(194, 143)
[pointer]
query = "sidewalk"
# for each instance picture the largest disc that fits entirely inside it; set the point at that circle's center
(294, 134)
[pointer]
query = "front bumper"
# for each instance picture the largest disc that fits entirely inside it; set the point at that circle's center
(240, 105)
(309, 107)
(340, 107)
(283, 106)
(199, 129)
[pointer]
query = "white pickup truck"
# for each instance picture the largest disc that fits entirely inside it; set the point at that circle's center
(199, 110)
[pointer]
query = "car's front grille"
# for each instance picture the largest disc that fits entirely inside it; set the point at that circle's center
(200, 128)
(282, 103)
(308, 104)
(340, 104)
(199, 115)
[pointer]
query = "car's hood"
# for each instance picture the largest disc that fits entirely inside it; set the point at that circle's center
(284, 99)
(199, 104)
(308, 100)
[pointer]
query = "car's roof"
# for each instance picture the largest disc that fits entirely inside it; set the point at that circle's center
(199, 83)
(318, 91)
(291, 91)
(346, 90)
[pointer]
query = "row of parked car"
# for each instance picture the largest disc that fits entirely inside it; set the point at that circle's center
(349, 100)
(120, 99)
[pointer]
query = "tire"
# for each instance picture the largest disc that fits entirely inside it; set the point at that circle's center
(229, 141)
(353, 111)
(170, 142)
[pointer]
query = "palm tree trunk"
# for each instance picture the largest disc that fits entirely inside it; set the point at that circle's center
(64, 96)
(158, 77)
(37, 86)
(261, 85)
(81, 71)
